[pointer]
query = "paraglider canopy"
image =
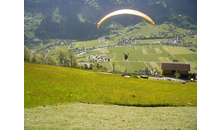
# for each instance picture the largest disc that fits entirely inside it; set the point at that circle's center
(127, 11)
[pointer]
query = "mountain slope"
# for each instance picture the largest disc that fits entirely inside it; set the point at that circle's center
(74, 19)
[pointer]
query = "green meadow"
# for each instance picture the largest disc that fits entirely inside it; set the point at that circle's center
(149, 56)
(51, 85)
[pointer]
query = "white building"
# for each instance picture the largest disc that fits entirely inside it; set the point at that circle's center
(102, 40)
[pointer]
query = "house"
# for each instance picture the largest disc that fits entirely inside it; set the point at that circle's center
(102, 40)
(171, 68)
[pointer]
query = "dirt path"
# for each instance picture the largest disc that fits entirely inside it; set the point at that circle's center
(91, 116)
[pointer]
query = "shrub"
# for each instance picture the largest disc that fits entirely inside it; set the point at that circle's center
(134, 76)
(177, 74)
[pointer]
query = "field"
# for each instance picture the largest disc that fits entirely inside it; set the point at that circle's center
(149, 56)
(51, 85)
(66, 98)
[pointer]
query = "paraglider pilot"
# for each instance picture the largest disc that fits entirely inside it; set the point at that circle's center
(126, 56)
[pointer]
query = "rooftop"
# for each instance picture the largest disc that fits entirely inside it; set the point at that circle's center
(176, 66)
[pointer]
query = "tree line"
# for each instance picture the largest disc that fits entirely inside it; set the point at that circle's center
(41, 58)
(65, 59)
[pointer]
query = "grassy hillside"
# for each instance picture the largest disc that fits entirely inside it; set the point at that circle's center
(51, 85)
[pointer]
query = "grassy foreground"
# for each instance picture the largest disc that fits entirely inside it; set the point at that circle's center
(53, 85)
(76, 116)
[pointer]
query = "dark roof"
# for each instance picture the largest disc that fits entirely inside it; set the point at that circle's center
(175, 66)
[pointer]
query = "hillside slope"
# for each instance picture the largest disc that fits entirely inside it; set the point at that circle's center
(74, 19)
(51, 85)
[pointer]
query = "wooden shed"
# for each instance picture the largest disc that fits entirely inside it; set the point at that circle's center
(171, 68)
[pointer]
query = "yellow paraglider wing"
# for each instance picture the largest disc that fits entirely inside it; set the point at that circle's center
(127, 11)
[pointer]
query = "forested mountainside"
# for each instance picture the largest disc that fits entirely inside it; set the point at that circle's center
(77, 19)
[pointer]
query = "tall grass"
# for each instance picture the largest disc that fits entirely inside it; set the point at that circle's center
(51, 85)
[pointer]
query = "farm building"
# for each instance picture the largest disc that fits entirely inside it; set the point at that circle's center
(171, 68)
(102, 40)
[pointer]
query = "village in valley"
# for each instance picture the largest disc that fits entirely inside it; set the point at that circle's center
(86, 53)
(169, 37)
